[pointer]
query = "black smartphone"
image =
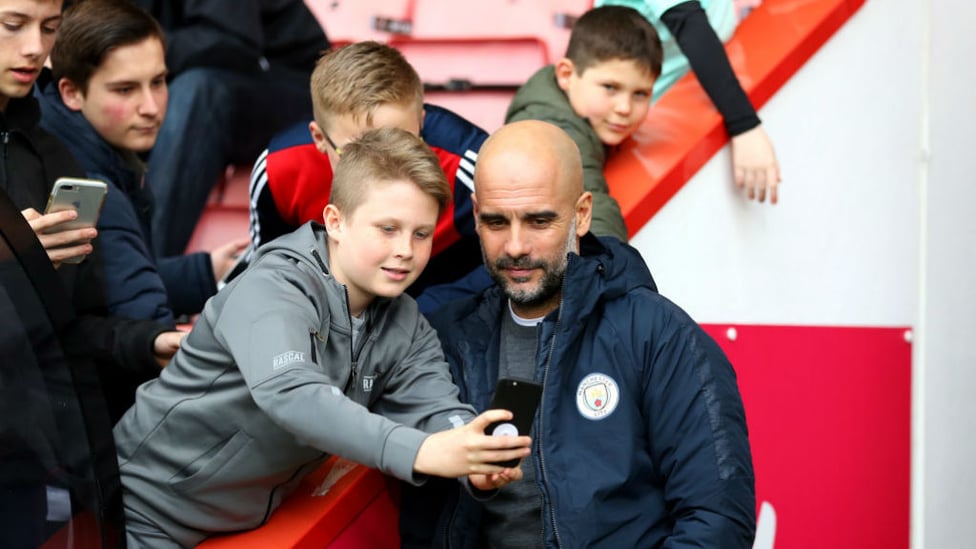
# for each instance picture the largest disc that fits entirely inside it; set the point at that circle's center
(521, 397)
(237, 268)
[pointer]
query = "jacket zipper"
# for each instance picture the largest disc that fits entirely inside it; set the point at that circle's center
(5, 137)
(354, 356)
(314, 335)
(449, 525)
(353, 352)
(450, 521)
(542, 411)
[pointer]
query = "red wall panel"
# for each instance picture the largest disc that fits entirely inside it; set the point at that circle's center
(829, 413)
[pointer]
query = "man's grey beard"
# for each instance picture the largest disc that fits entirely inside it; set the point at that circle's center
(550, 286)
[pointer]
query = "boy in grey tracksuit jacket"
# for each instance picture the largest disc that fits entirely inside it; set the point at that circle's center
(270, 382)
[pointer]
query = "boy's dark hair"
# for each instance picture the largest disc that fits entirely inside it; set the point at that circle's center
(614, 32)
(384, 155)
(90, 29)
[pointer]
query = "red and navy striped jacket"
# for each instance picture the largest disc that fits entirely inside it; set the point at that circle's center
(291, 182)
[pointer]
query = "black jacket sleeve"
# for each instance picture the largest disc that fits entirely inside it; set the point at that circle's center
(706, 54)
(209, 33)
(121, 348)
(124, 343)
(239, 35)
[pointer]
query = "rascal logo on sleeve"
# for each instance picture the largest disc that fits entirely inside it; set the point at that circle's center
(286, 358)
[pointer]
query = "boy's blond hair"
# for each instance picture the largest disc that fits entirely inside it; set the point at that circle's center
(614, 32)
(386, 155)
(358, 78)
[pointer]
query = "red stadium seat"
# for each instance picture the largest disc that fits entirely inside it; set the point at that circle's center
(475, 78)
(495, 62)
(548, 20)
(226, 215)
(348, 21)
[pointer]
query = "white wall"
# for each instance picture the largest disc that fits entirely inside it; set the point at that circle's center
(945, 433)
(841, 247)
(876, 226)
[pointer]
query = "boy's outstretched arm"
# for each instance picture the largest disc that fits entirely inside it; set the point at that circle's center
(753, 158)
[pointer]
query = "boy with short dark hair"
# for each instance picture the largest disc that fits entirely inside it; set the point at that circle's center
(599, 93)
(361, 86)
(107, 101)
(692, 34)
(312, 351)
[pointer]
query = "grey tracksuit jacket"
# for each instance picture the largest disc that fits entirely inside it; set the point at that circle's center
(267, 386)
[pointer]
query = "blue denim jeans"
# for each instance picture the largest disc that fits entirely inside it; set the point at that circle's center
(215, 117)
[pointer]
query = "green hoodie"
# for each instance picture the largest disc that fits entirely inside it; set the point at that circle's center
(542, 99)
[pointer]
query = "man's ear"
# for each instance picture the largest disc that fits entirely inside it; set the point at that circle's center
(71, 94)
(584, 213)
(318, 137)
(564, 72)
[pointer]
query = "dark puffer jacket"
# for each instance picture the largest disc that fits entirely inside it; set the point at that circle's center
(642, 438)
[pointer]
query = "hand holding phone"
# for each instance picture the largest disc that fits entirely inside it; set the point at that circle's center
(521, 397)
(86, 198)
(63, 244)
(466, 450)
(229, 260)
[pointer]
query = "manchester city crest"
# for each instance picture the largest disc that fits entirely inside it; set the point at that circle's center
(597, 396)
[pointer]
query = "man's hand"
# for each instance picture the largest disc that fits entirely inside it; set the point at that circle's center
(466, 450)
(165, 346)
(754, 164)
(223, 258)
(496, 481)
(60, 245)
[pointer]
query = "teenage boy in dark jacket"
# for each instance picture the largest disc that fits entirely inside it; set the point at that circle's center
(128, 351)
(640, 438)
(106, 101)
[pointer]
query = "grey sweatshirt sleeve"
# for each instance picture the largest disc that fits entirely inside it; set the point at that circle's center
(269, 324)
(419, 391)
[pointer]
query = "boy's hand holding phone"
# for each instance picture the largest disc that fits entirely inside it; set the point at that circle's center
(226, 257)
(68, 223)
(466, 450)
(59, 244)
